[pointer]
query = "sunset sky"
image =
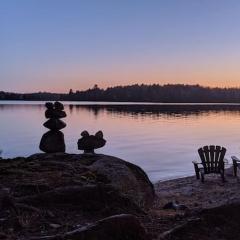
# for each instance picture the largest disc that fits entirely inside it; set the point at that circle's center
(55, 45)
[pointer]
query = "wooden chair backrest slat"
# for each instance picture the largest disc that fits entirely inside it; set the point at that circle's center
(207, 157)
(217, 154)
(212, 158)
(202, 157)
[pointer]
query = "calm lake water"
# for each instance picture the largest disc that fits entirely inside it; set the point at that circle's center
(161, 138)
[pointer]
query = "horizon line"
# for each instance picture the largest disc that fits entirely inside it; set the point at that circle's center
(125, 85)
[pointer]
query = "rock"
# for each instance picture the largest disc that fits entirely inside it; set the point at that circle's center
(99, 134)
(90, 198)
(49, 105)
(127, 178)
(52, 141)
(6, 201)
(211, 223)
(55, 113)
(54, 225)
(73, 190)
(175, 205)
(85, 134)
(30, 188)
(58, 106)
(118, 227)
(54, 124)
(90, 142)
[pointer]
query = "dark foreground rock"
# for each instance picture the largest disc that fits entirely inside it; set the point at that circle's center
(118, 227)
(214, 223)
(89, 198)
(60, 194)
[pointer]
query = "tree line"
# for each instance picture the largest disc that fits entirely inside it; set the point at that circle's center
(169, 93)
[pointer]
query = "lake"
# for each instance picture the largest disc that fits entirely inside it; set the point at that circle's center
(161, 138)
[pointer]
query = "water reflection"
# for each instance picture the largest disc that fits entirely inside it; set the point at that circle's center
(151, 110)
(145, 110)
(162, 139)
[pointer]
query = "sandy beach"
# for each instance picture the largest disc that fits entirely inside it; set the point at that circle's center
(195, 195)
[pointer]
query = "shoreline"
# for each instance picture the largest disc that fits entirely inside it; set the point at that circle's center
(172, 179)
(197, 195)
(82, 102)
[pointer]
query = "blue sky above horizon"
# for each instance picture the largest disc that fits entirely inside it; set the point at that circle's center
(55, 45)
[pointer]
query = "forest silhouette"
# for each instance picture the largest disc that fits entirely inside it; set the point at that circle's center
(169, 93)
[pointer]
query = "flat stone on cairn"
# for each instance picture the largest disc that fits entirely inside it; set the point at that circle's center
(53, 140)
(54, 124)
(90, 142)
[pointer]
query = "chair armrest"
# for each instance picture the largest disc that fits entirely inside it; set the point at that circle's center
(196, 168)
(234, 158)
(195, 162)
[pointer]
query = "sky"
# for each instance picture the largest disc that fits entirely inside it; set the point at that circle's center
(55, 45)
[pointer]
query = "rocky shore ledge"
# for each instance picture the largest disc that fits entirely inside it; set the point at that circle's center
(61, 196)
(73, 196)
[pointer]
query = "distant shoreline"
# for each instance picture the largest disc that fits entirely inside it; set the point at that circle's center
(124, 103)
(169, 93)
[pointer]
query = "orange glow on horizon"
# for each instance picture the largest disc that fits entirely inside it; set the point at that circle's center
(80, 78)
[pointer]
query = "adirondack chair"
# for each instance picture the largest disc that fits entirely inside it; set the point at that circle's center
(212, 161)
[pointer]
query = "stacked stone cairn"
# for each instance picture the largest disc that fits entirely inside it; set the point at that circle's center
(90, 142)
(53, 140)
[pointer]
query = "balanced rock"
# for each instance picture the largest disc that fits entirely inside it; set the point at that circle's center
(90, 142)
(55, 110)
(53, 140)
(58, 106)
(55, 113)
(54, 124)
(49, 105)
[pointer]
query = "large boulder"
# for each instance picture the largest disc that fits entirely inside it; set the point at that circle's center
(67, 196)
(128, 178)
(89, 198)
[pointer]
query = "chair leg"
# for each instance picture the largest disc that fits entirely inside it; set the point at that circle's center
(235, 168)
(202, 177)
(197, 171)
(222, 176)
